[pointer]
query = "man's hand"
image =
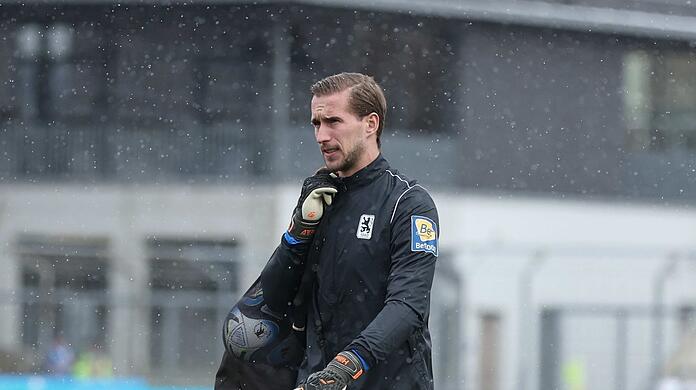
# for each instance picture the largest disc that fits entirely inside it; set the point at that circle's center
(317, 191)
(341, 371)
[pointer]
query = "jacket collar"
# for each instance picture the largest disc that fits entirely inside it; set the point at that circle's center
(366, 175)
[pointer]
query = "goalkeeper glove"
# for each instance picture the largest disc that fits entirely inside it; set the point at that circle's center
(317, 192)
(343, 370)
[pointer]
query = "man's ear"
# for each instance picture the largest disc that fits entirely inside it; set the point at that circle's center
(372, 121)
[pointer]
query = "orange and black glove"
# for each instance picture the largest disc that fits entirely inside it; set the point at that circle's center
(343, 370)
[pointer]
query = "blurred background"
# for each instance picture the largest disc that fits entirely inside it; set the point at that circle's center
(151, 153)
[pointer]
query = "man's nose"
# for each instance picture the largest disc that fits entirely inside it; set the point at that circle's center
(321, 134)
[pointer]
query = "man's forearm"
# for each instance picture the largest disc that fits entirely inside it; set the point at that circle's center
(280, 278)
(389, 330)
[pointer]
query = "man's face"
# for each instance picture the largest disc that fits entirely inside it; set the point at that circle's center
(340, 133)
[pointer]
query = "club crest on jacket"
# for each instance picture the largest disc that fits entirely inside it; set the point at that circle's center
(365, 226)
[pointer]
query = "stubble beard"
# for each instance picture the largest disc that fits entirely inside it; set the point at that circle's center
(351, 159)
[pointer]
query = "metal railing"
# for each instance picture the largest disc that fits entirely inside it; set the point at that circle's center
(620, 356)
(182, 329)
(221, 153)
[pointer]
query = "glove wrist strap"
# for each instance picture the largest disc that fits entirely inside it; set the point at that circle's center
(302, 230)
(348, 363)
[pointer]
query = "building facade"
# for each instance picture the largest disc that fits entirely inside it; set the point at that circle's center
(150, 155)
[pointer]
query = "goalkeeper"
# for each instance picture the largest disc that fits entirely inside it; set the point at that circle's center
(367, 325)
(350, 294)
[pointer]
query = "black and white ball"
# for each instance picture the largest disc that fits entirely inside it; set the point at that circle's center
(253, 334)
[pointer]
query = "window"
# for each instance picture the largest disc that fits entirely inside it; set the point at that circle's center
(64, 284)
(195, 265)
(62, 72)
(660, 100)
(8, 75)
(155, 84)
(53, 91)
(189, 279)
(234, 91)
(169, 77)
(29, 40)
(76, 74)
(411, 58)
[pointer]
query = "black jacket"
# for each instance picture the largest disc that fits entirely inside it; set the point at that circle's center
(364, 285)
(376, 250)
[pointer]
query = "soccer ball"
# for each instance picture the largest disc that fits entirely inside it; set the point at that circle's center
(253, 334)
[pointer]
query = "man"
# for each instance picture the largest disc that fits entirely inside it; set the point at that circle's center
(352, 275)
(374, 254)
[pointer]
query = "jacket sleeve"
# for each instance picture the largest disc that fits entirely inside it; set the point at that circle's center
(280, 278)
(414, 245)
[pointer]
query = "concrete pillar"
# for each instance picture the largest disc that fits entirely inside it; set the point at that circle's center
(129, 320)
(281, 96)
(10, 286)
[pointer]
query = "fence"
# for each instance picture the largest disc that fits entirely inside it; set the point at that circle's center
(182, 327)
(629, 347)
(183, 331)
